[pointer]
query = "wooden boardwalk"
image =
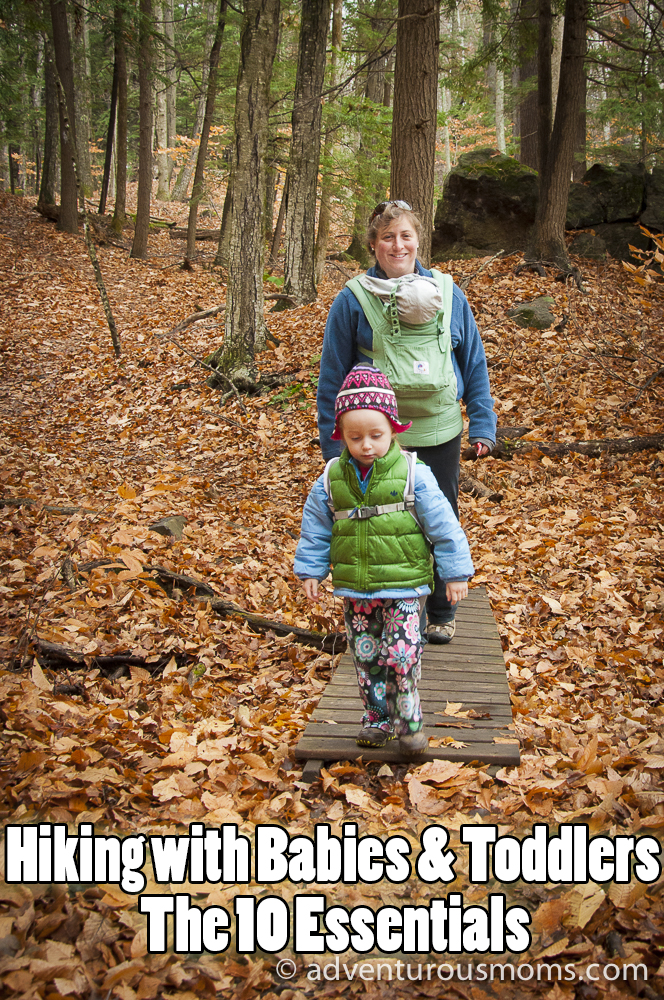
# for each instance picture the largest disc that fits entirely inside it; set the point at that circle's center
(470, 670)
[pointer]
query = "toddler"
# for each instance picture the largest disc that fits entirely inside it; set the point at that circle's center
(373, 516)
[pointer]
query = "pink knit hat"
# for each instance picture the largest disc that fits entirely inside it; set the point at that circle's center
(367, 388)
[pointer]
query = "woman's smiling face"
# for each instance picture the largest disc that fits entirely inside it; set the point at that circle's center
(396, 247)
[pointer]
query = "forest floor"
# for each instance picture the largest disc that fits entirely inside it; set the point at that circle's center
(571, 559)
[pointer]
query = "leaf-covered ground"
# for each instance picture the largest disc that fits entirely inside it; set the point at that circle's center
(204, 727)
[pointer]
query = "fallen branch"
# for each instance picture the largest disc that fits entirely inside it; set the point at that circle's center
(180, 233)
(166, 578)
(468, 484)
(607, 446)
(194, 318)
(203, 364)
(329, 642)
(46, 508)
(463, 285)
(58, 657)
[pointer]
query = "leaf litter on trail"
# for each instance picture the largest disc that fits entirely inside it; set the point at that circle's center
(571, 559)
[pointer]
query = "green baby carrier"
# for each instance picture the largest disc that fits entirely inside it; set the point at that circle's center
(417, 360)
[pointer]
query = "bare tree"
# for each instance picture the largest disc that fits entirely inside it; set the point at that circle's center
(197, 189)
(119, 213)
(415, 112)
(68, 215)
(140, 245)
(299, 279)
(50, 161)
(324, 213)
(245, 324)
(548, 241)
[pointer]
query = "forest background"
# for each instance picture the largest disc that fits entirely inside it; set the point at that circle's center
(129, 698)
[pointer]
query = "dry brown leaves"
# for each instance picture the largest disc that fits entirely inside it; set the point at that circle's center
(571, 560)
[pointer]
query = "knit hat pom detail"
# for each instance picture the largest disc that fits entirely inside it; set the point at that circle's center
(367, 388)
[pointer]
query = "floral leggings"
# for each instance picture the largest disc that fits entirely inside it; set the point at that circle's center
(384, 637)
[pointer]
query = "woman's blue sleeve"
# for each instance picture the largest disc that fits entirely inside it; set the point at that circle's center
(312, 556)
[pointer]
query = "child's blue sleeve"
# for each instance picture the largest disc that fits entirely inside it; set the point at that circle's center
(312, 556)
(450, 545)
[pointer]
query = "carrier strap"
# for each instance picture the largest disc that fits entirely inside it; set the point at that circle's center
(361, 513)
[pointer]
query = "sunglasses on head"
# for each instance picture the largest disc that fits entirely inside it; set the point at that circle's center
(379, 209)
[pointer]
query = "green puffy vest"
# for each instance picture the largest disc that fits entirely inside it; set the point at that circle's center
(417, 360)
(388, 552)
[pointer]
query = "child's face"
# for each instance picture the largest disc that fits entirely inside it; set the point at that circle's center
(367, 434)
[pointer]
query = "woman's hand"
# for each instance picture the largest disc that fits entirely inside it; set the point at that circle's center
(311, 588)
(455, 591)
(482, 450)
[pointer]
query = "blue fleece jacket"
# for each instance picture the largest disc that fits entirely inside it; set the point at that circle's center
(348, 331)
(451, 551)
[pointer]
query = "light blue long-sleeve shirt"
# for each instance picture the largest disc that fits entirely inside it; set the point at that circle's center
(450, 545)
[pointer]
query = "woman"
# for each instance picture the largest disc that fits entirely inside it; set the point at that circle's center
(416, 326)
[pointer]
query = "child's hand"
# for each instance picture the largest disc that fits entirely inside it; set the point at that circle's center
(455, 591)
(311, 588)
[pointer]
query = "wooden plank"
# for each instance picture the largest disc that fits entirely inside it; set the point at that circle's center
(470, 670)
(507, 755)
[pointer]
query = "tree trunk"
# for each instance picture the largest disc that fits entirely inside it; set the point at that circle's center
(276, 237)
(50, 161)
(81, 62)
(500, 110)
(579, 165)
(172, 77)
(548, 242)
(140, 245)
(197, 189)
(300, 228)
(528, 106)
(245, 325)
(544, 46)
(371, 162)
(224, 229)
(414, 123)
(179, 192)
(325, 214)
(110, 135)
(68, 215)
(119, 216)
(35, 103)
(161, 110)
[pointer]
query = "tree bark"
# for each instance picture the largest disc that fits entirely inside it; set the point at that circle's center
(324, 212)
(528, 107)
(413, 145)
(50, 160)
(68, 215)
(161, 117)
(276, 236)
(579, 165)
(172, 77)
(544, 82)
(119, 214)
(548, 242)
(181, 187)
(110, 135)
(139, 247)
(81, 63)
(300, 228)
(245, 324)
(197, 189)
(372, 167)
(601, 446)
